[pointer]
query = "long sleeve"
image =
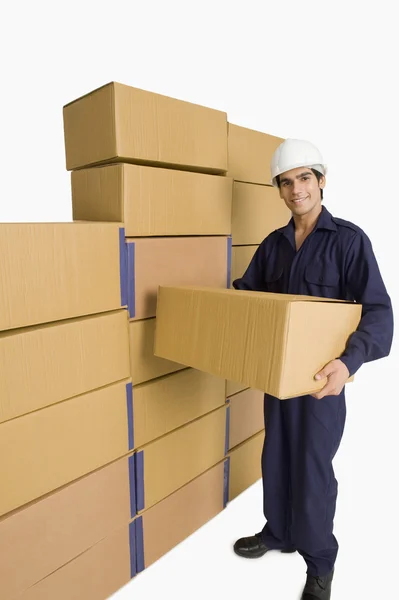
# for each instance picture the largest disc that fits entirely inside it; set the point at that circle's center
(253, 278)
(373, 338)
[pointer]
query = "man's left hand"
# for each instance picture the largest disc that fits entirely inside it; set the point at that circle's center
(337, 375)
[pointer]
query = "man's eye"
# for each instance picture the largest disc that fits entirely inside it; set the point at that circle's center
(305, 178)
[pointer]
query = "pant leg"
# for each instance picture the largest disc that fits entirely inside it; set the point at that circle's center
(315, 429)
(275, 476)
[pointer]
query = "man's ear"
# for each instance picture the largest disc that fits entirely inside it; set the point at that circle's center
(322, 182)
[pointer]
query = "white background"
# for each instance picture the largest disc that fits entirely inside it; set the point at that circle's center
(322, 71)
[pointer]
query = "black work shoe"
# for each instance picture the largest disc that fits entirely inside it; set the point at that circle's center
(253, 547)
(318, 588)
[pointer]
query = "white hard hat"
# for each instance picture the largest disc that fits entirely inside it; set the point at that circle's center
(295, 153)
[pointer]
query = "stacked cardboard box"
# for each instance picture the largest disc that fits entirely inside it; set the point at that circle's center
(48, 537)
(157, 166)
(65, 399)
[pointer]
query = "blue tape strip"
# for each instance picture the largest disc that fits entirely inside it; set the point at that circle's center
(132, 486)
(229, 254)
(129, 405)
(131, 275)
(133, 549)
(140, 480)
(226, 481)
(227, 440)
(139, 545)
(123, 266)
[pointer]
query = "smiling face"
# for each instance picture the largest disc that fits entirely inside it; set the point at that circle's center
(301, 191)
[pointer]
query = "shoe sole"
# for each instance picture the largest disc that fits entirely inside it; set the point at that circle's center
(259, 554)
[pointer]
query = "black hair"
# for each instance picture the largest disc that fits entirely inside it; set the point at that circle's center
(316, 173)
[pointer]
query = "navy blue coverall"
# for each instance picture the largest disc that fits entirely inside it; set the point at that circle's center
(303, 434)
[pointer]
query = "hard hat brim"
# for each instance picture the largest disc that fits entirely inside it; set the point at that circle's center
(320, 168)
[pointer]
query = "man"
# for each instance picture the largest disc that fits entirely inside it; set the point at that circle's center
(316, 254)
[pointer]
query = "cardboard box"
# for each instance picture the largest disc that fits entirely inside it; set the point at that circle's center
(168, 463)
(245, 415)
(120, 123)
(48, 448)
(54, 271)
(153, 201)
(245, 465)
(45, 364)
(144, 365)
(250, 153)
(173, 261)
(165, 525)
(232, 387)
(164, 404)
(38, 539)
(255, 338)
(240, 258)
(94, 575)
(257, 211)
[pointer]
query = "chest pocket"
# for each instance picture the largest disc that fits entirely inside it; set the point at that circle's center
(323, 279)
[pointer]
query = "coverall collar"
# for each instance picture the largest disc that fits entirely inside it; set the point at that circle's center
(325, 221)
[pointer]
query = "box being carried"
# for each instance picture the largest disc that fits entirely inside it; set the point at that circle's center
(271, 342)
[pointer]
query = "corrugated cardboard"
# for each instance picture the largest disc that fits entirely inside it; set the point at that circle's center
(164, 404)
(94, 575)
(245, 464)
(153, 201)
(168, 463)
(254, 338)
(144, 365)
(257, 211)
(232, 387)
(165, 525)
(240, 258)
(43, 365)
(120, 123)
(250, 153)
(245, 416)
(173, 261)
(46, 449)
(50, 272)
(38, 539)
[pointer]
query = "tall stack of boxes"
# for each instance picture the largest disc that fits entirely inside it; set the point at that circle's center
(109, 454)
(66, 463)
(157, 166)
(256, 211)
